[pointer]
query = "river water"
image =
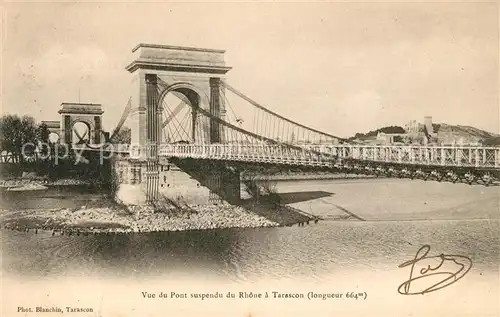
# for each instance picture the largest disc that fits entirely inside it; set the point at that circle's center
(390, 221)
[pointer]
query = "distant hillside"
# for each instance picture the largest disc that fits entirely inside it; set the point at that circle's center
(465, 130)
(468, 134)
(444, 131)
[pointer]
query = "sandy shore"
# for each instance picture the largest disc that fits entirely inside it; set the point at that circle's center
(107, 216)
(310, 176)
(35, 184)
(144, 219)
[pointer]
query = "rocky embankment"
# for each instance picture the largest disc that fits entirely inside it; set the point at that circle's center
(308, 176)
(101, 214)
(20, 184)
(133, 219)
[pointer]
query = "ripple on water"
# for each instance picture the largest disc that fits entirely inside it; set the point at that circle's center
(249, 254)
(312, 251)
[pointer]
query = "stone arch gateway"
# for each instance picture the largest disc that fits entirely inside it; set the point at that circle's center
(188, 95)
(159, 69)
(195, 75)
(89, 114)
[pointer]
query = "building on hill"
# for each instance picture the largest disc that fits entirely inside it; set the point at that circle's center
(390, 138)
(415, 133)
(427, 133)
(412, 127)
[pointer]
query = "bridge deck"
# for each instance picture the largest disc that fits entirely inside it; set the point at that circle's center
(328, 155)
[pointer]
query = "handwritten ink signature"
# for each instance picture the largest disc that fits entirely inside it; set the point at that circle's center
(464, 265)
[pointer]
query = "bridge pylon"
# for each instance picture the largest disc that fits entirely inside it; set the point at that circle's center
(194, 75)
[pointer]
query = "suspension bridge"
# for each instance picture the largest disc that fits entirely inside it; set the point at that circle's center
(182, 108)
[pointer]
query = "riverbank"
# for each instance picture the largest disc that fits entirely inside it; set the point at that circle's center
(144, 218)
(37, 183)
(34, 182)
(75, 210)
(308, 176)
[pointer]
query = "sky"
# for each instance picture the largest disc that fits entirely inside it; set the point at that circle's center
(338, 67)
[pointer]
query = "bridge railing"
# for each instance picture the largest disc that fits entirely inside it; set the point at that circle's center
(326, 155)
(457, 156)
(246, 152)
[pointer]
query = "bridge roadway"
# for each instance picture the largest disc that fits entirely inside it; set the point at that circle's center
(326, 155)
(442, 163)
(436, 162)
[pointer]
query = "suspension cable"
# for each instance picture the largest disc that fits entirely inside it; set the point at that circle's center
(240, 94)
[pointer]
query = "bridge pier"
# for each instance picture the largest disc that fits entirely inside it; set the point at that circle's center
(180, 182)
(129, 181)
(195, 75)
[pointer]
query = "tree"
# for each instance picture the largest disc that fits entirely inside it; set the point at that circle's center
(398, 139)
(493, 141)
(16, 132)
(390, 129)
(8, 126)
(123, 136)
(42, 135)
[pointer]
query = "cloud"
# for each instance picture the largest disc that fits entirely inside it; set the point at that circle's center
(59, 62)
(331, 66)
(39, 84)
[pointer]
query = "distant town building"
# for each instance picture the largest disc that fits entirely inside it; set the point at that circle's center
(427, 133)
(390, 138)
(415, 133)
(412, 127)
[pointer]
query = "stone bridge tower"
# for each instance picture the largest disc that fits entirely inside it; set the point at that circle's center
(87, 113)
(194, 73)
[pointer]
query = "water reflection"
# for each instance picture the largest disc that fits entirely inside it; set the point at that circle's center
(309, 252)
(116, 254)
(248, 254)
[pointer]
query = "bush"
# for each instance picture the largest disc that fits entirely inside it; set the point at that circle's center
(270, 193)
(264, 191)
(251, 186)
